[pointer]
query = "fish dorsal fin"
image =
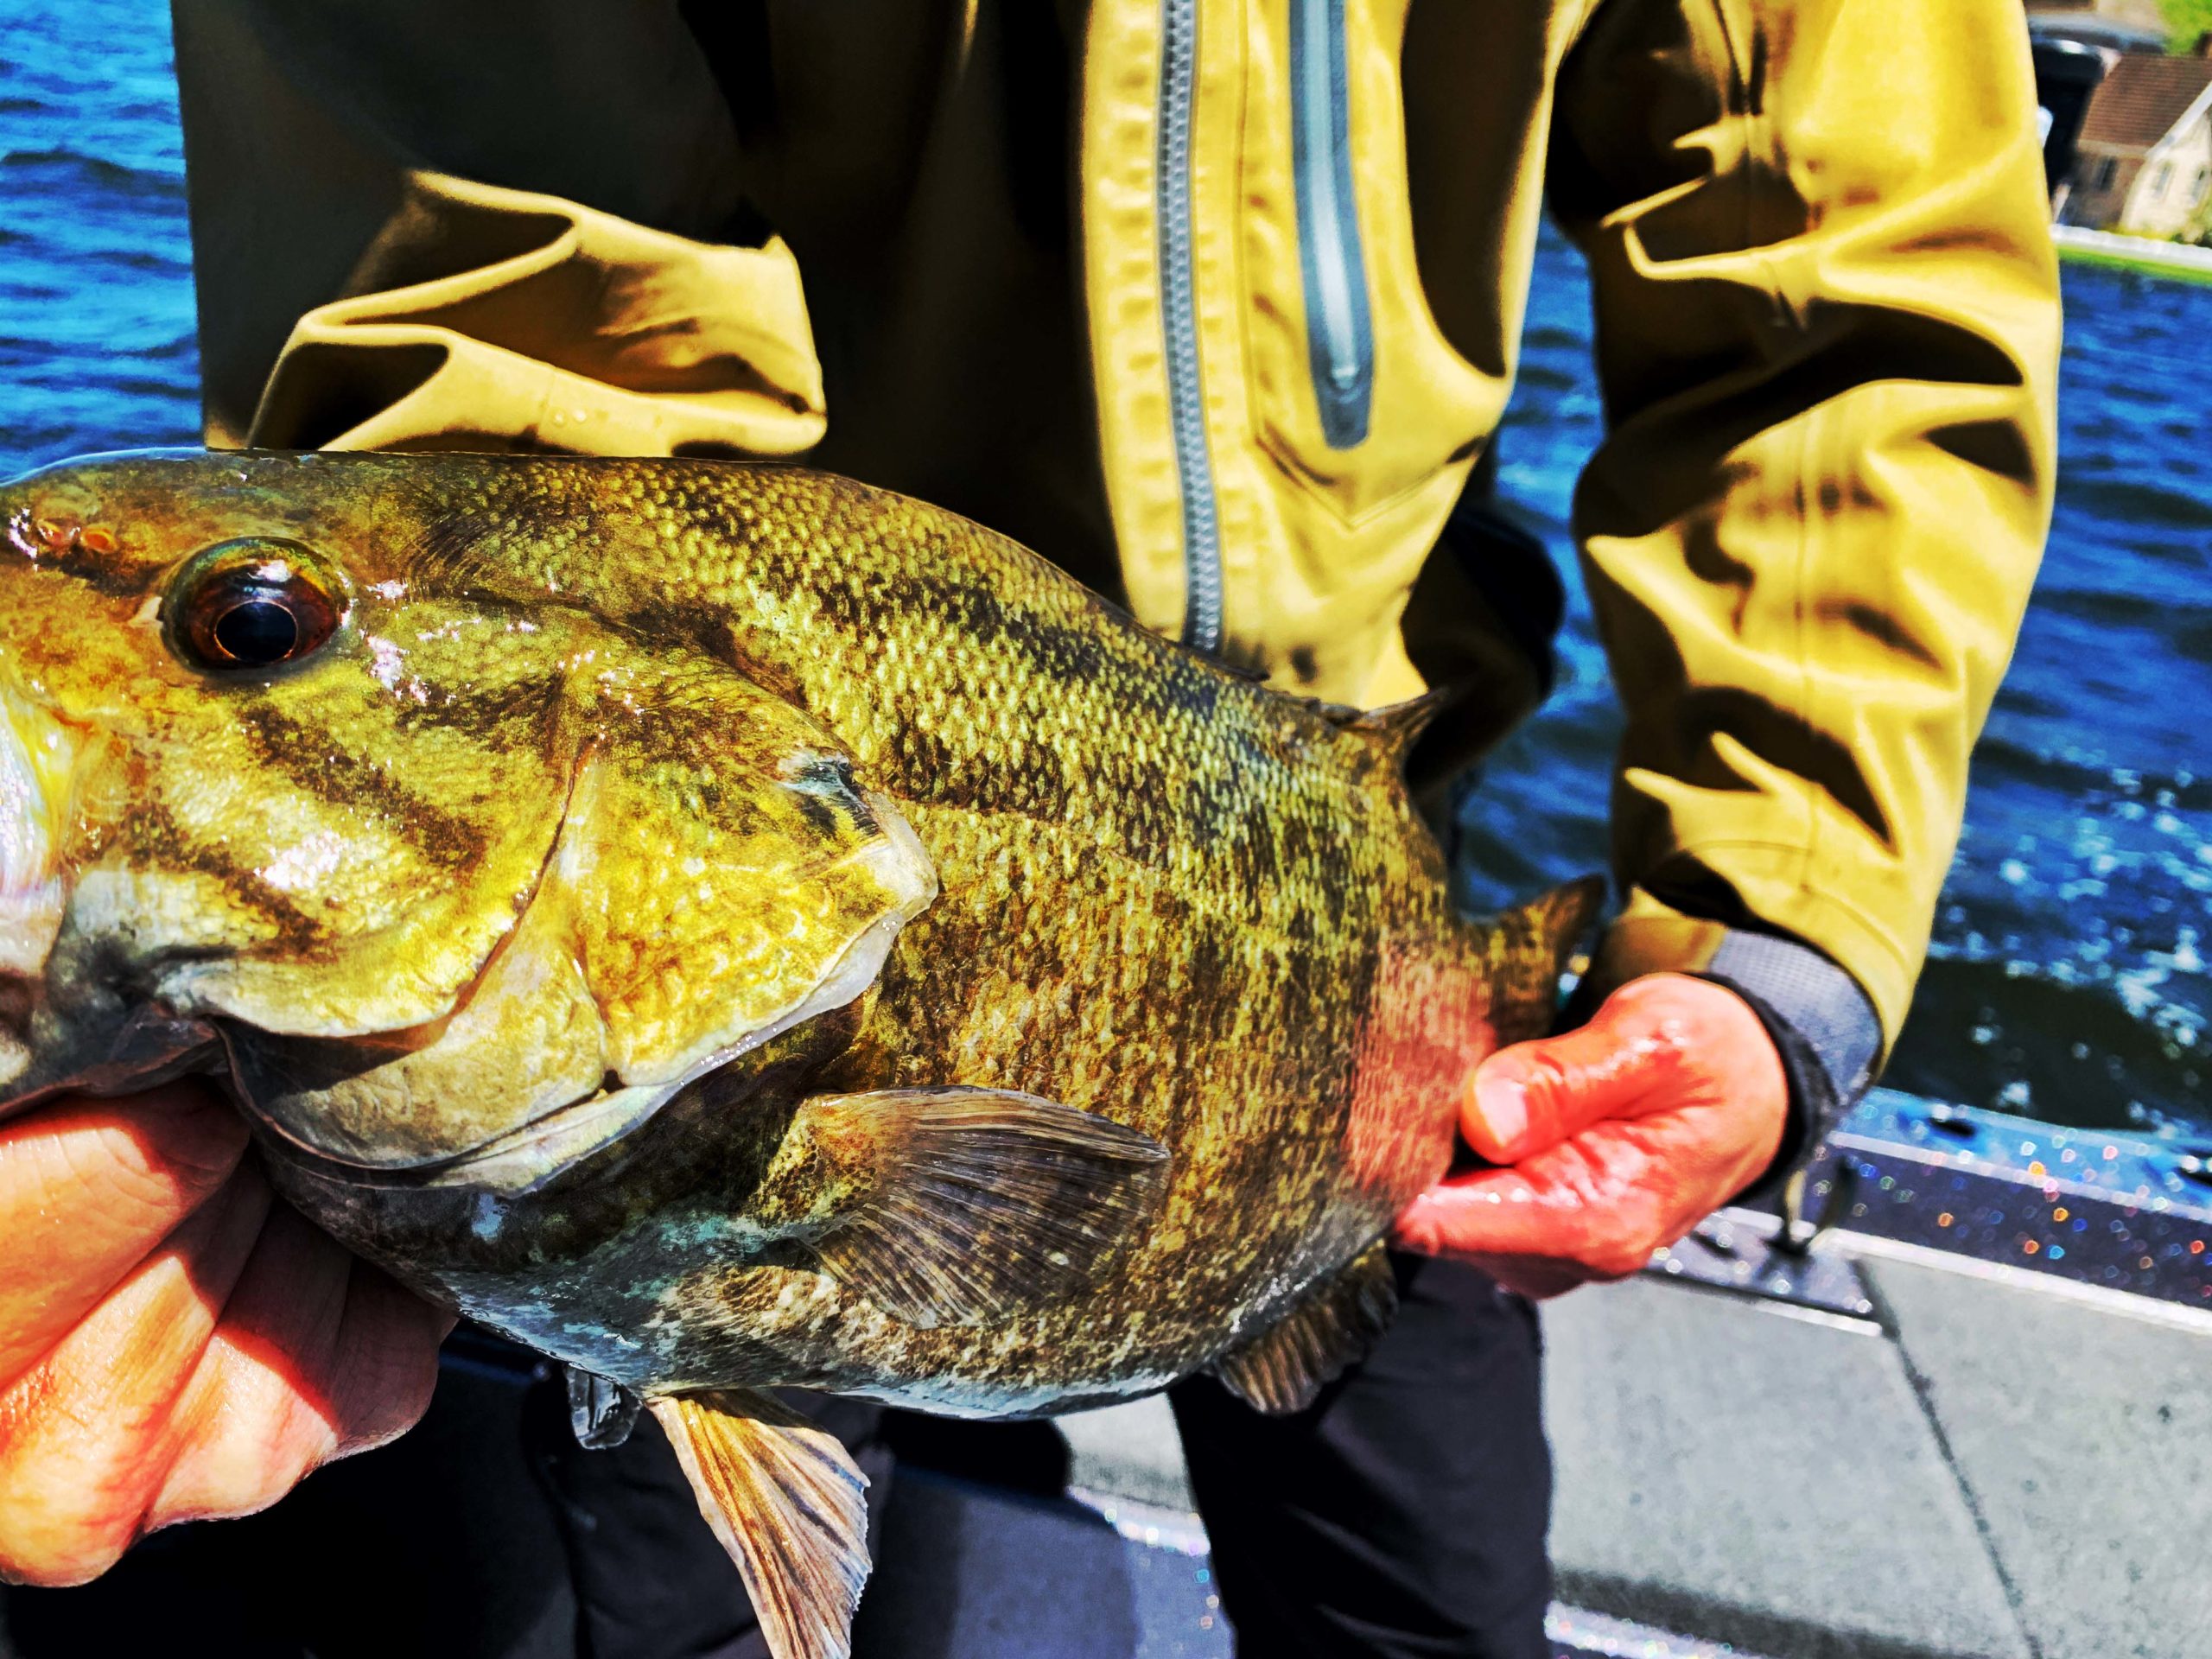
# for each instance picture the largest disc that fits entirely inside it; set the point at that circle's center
(958, 1207)
(787, 1502)
(1395, 728)
(1285, 1368)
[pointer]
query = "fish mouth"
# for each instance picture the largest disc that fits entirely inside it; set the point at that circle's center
(43, 762)
(38, 762)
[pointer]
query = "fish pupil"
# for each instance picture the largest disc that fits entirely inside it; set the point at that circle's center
(254, 603)
(258, 632)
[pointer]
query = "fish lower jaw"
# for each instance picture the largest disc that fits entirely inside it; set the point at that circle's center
(30, 920)
(18, 996)
(509, 1166)
(39, 759)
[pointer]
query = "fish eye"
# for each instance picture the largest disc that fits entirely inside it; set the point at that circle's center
(257, 603)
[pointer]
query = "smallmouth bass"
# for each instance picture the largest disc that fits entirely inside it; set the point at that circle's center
(728, 928)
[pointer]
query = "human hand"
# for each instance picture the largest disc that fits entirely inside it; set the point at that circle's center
(1616, 1138)
(175, 1345)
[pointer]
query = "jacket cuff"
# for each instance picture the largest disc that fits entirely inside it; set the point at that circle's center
(1823, 1026)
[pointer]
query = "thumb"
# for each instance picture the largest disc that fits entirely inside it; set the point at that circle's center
(1534, 1095)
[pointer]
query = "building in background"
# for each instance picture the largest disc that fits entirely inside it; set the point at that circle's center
(2142, 161)
(2127, 129)
(2077, 43)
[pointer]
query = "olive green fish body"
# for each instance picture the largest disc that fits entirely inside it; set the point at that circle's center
(651, 844)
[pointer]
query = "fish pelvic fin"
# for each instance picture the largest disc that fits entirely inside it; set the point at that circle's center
(1528, 949)
(788, 1504)
(960, 1205)
(1284, 1369)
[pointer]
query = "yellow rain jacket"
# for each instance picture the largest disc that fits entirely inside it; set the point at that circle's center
(1215, 302)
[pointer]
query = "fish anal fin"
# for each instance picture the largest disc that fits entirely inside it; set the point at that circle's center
(963, 1205)
(1285, 1368)
(788, 1504)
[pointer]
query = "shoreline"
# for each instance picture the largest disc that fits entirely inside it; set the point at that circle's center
(2142, 253)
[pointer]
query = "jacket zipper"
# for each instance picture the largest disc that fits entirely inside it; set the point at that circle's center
(1179, 62)
(1339, 340)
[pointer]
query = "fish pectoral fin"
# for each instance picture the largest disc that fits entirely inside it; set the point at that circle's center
(1285, 1368)
(973, 1202)
(787, 1502)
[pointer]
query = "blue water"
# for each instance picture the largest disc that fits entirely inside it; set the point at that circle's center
(2068, 977)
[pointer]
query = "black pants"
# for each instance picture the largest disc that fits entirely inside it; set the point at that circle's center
(1402, 1516)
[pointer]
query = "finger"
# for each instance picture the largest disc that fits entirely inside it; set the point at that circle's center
(85, 1434)
(87, 1189)
(318, 1357)
(253, 1421)
(387, 1362)
(1587, 1201)
(1627, 1060)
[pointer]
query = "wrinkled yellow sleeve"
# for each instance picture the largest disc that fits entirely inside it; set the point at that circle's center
(1827, 332)
(421, 227)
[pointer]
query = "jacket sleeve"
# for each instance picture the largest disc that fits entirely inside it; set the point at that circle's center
(425, 225)
(1828, 331)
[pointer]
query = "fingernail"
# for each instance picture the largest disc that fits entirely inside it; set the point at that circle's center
(1503, 1107)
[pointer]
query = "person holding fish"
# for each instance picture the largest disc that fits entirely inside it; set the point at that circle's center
(1214, 305)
